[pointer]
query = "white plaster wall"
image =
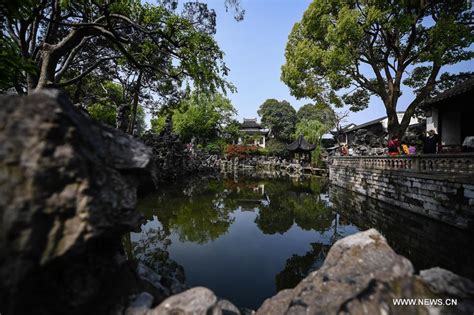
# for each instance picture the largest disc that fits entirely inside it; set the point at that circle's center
(413, 120)
(451, 134)
(432, 121)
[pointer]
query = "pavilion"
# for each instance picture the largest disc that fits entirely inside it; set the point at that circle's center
(301, 149)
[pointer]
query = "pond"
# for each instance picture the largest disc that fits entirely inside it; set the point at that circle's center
(250, 236)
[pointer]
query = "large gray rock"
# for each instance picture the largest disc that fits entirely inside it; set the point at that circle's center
(195, 301)
(361, 275)
(68, 190)
(445, 282)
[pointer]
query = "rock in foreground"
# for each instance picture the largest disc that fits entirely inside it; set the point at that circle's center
(363, 275)
(68, 191)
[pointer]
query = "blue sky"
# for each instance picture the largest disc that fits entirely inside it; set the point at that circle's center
(254, 51)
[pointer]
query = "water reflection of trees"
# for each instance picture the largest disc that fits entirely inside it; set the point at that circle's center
(202, 212)
(298, 267)
(194, 212)
(300, 203)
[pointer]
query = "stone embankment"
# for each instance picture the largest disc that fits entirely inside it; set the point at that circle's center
(68, 189)
(439, 186)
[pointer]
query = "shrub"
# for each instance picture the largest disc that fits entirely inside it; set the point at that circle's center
(240, 151)
(263, 151)
(276, 148)
(216, 147)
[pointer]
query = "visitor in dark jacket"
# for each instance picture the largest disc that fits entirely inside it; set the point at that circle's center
(430, 142)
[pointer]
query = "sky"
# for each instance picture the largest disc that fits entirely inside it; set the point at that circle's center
(254, 51)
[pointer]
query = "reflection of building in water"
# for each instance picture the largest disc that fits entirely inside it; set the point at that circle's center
(257, 195)
(259, 189)
(426, 242)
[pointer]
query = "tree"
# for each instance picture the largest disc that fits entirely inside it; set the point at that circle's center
(204, 117)
(104, 101)
(320, 112)
(366, 48)
(276, 148)
(231, 131)
(68, 40)
(313, 131)
(280, 117)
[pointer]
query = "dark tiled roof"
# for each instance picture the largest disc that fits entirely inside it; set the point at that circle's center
(369, 123)
(300, 145)
(250, 123)
(348, 127)
(254, 131)
(461, 88)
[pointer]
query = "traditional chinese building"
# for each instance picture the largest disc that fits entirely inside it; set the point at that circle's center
(451, 114)
(377, 127)
(300, 149)
(253, 133)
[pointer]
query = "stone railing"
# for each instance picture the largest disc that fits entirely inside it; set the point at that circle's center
(462, 163)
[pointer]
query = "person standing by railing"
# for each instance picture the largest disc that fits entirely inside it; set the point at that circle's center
(393, 146)
(430, 142)
(344, 150)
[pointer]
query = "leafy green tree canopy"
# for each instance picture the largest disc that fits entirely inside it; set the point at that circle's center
(320, 112)
(105, 98)
(363, 48)
(312, 130)
(201, 116)
(280, 117)
(66, 41)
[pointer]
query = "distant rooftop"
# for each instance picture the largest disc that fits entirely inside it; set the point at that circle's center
(352, 126)
(250, 123)
(252, 127)
(300, 145)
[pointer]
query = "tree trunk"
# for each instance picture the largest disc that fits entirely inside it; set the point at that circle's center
(49, 61)
(123, 115)
(133, 118)
(393, 125)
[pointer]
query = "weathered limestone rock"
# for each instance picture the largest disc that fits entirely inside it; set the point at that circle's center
(140, 305)
(175, 160)
(195, 301)
(361, 275)
(68, 191)
(443, 281)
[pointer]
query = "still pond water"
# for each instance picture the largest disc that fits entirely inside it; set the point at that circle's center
(248, 237)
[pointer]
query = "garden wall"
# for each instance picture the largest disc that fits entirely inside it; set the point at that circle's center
(441, 188)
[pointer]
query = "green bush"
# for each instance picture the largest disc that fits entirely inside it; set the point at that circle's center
(216, 147)
(276, 148)
(103, 112)
(263, 151)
